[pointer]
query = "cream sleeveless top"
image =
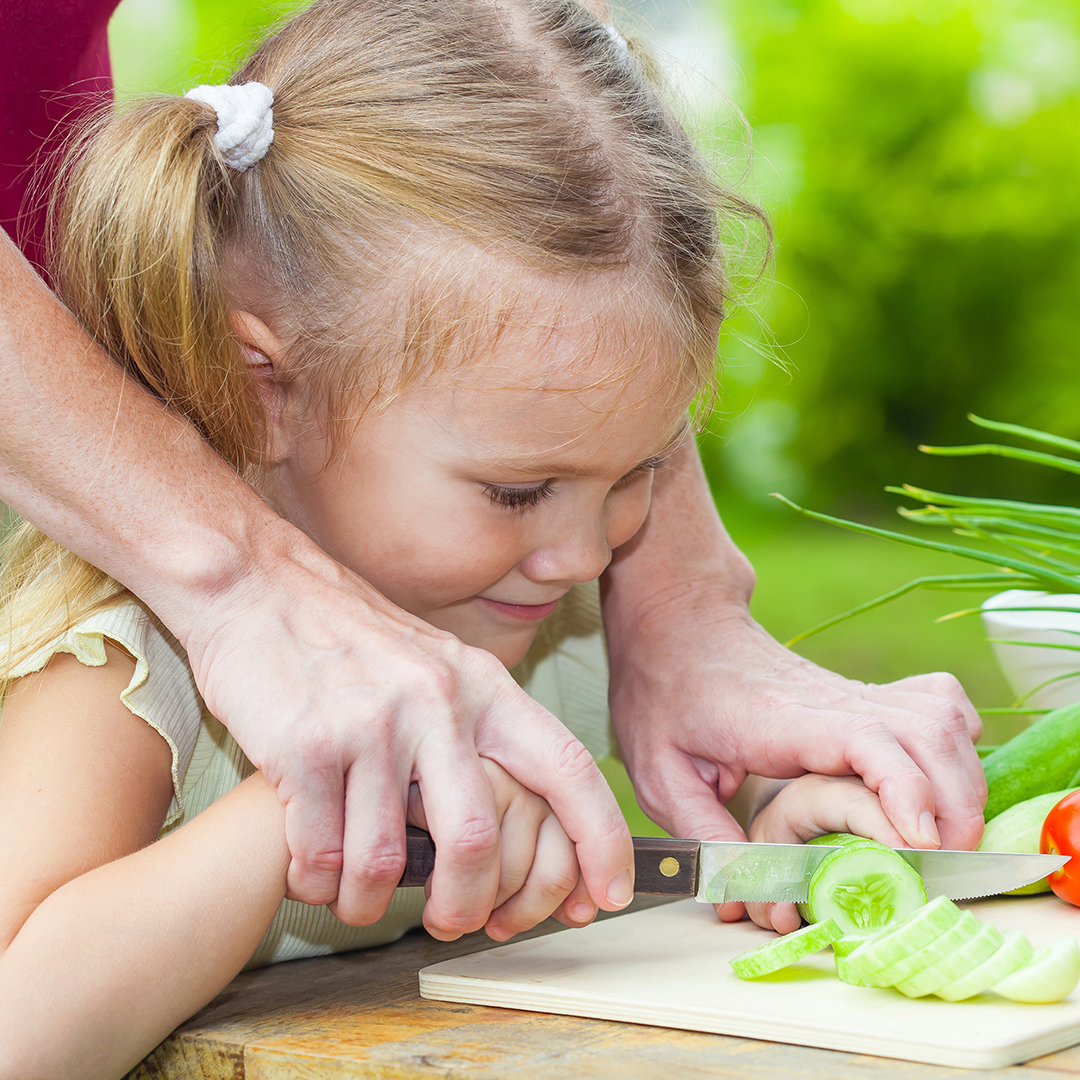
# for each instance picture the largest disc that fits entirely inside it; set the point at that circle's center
(565, 670)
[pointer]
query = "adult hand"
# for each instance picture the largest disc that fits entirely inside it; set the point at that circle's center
(340, 698)
(344, 700)
(701, 695)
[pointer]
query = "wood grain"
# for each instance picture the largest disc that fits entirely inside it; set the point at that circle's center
(359, 1015)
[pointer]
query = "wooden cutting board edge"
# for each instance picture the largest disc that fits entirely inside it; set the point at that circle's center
(450, 981)
(470, 991)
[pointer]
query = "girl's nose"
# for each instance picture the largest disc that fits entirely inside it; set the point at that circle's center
(575, 557)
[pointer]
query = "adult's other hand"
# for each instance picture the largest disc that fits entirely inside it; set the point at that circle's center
(701, 695)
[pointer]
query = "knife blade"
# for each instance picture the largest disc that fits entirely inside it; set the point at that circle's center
(716, 872)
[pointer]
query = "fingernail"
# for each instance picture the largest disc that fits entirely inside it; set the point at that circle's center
(928, 828)
(582, 913)
(620, 892)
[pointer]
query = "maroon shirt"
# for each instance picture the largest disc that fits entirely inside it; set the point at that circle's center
(54, 70)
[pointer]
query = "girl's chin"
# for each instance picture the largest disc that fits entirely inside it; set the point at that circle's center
(511, 655)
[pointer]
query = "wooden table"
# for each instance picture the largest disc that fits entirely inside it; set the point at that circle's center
(360, 1015)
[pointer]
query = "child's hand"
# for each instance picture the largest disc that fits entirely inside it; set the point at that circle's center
(811, 806)
(539, 873)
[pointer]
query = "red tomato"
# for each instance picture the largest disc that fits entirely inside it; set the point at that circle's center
(1061, 836)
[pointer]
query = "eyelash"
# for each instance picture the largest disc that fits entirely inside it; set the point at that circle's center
(523, 498)
(520, 498)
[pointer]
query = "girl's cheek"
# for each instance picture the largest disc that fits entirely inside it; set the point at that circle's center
(629, 509)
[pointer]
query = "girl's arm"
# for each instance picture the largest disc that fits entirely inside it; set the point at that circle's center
(107, 939)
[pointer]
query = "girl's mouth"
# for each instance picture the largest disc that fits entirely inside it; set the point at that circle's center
(525, 612)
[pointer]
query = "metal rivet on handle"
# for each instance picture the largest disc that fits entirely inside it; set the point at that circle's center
(669, 867)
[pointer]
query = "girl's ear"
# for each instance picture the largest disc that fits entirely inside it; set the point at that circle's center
(265, 355)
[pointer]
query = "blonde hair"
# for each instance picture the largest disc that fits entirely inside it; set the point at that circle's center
(519, 128)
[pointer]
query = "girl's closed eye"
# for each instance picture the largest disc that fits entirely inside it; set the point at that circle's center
(524, 497)
(520, 498)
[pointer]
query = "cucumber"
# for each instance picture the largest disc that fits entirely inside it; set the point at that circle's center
(893, 944)
(847, 944)
(862, 886)
(782, 952)
(1018, 829)
(980, 946)
(1051, 974)
(1015, 951)
(934, 951)
(1042, 759)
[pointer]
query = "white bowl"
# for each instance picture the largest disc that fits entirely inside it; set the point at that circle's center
(1026, 666)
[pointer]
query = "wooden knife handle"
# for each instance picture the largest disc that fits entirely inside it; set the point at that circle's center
(661, 866)
(419, 857)
(665, 867)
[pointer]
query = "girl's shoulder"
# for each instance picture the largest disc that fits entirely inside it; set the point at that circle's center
(162, 689)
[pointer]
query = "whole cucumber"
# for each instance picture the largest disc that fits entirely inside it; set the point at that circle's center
(1042, 759)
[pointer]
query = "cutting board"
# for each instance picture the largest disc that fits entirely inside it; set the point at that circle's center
(668, 966)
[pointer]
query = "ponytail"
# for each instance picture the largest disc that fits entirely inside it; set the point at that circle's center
(144, 225)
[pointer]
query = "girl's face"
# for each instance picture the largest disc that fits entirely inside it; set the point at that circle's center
(478, 498)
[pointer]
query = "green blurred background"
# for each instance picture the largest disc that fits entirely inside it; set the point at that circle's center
(920, 160)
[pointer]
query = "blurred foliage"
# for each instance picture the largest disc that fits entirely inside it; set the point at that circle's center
(920, 159)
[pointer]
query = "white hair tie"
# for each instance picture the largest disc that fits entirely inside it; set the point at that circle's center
(245, 121)
(621, 43)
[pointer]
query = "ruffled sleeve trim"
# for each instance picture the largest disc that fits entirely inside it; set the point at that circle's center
(162, 691)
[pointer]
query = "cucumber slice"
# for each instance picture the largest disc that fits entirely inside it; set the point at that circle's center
(897, 942)
(1051, 974)
(847, 944)
(782, 952)
(981, 946)
(933, 952)
(862, 886)
(1015, 951)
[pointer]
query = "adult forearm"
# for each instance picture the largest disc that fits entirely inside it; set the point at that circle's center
(96, 462)
(680, 559)
(111, 962)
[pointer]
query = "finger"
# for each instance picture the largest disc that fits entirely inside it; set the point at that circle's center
(314, 830)
(546, 758)
(694, 810)
(943, 685)
(577, 909)
(460, 809)
(868, 748)
(551, 878)
(784, 918)
(518, 840)
(935, 734)
(814, 805)
(375, 799)
(732, 911)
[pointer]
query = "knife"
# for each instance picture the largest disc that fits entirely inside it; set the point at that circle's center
(718, 872)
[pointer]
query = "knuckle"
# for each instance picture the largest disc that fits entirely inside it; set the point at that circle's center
(472, 839)
(560, 883)
(939, 739)
(378, 868)
(573, 762)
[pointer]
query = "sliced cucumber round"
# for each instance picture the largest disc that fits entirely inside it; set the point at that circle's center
(980, 946)
(933, 952)
(1051, 974)
(862, 886)
(847, 944)
(899, 941)
(1015, 951)
(782, 952)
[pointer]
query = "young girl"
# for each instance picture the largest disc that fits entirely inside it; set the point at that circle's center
(441, 277)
